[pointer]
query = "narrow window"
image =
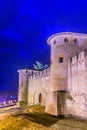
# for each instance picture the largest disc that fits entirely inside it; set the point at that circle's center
(75, 40)
(26, 71)
(61, 59)
(54, 41)
(66, 40)
(70, 60)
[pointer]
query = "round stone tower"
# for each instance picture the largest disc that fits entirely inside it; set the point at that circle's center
(63, 46)
(23, 87)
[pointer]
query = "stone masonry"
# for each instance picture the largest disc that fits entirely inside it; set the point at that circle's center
(62, 88)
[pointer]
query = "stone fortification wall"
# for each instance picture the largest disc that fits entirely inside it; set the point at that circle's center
(32, 83)
(38, 84)
(77, 84)
(39, 74)
(62, 88)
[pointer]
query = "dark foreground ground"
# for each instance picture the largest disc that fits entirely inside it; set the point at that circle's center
(34, 118)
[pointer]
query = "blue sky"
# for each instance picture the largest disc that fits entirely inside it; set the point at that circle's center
(24, 28)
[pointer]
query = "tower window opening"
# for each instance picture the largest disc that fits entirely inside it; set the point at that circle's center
(66, 40)
(70, 60)
(54, 41)
(61, 59)
(26, 71)
(75, 40)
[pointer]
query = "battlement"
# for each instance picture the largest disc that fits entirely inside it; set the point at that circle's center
(39, 74)
(77, 63)
(78, 60)
(34, 74)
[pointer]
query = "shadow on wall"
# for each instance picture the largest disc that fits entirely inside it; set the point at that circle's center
(62, 97)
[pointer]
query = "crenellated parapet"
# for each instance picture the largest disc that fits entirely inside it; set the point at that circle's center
(39, 74)
(77, 72)
(24, 76)
(77, 62)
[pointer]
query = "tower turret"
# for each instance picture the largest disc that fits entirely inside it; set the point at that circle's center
(23, 87)
(63, 46)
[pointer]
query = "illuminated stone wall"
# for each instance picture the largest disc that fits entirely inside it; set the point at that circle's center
(32, 84)
(38, 85)
(68, 86)
(77, 82)
(23, 88)
(62, 88)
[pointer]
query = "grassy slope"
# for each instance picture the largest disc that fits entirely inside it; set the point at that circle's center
(34, 118)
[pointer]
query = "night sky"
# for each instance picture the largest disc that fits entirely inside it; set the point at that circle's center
(24, 28)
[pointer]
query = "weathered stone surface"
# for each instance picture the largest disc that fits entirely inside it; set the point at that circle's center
(62, 88)
(33, 86)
